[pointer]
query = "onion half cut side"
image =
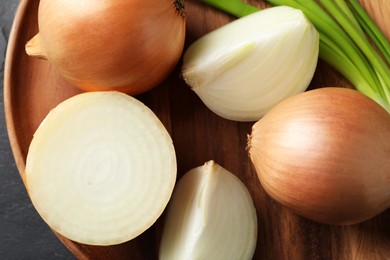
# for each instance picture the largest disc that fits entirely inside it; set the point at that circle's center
(101, 168)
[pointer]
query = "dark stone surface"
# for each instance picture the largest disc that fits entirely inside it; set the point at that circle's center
(23, 234)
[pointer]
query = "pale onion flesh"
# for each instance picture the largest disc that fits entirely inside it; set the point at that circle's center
(241, 70)
(325, 154)
(211, 216)
(125, 45)
(101, 168)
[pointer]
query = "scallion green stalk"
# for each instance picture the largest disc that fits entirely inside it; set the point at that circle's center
(233, 7)
(343, 27)
(356, 34)
(371, 29)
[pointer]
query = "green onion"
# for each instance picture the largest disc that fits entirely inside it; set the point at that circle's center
(233, 7)
(371, 29)
(347, 36)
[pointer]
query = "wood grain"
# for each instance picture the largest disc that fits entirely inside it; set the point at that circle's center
(32, 87)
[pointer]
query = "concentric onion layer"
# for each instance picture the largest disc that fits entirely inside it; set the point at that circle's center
(101, 168)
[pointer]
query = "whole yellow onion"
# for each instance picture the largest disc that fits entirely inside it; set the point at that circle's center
(125, 45)
(325, 154)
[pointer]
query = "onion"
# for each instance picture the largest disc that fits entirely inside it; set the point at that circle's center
(325, 154)
(100, 168)
(211, 216)
(244, 68)
(130, 46)
(349, 40)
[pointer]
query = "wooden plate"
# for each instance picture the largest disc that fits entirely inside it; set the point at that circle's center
(32, 87)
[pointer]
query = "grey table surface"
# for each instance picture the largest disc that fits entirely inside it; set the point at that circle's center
(23, 234)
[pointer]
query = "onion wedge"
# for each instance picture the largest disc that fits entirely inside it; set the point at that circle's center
(101, 168)
(211, 216)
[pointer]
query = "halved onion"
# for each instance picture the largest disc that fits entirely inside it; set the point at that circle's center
(101, 168)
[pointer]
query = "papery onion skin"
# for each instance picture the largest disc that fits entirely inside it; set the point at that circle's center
(130, 46)
(325, 154)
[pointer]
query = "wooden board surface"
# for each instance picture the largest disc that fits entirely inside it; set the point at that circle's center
(32, 87)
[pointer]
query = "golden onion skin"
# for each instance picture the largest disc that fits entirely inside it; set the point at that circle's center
(325, 154)
(126, 45)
